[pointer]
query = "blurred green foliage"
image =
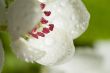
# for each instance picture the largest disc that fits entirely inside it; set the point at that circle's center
(99, 28)
(8, 2)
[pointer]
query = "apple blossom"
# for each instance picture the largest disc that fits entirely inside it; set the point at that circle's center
(50, 40)
(43, 31)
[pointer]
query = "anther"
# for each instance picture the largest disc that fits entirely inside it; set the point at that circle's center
(47, 13)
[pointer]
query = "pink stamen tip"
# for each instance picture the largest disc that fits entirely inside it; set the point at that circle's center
(44, 21)
(51, 26)
(42, 5)
(34, 30)
(45, 30)
(47, 13)
(41, 34)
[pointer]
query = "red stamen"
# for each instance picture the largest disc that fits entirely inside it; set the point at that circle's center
(41, 34)
(47, 13)
(42, 5)
(51, 26)
(33, 35)
(45, 30)
(44, 21)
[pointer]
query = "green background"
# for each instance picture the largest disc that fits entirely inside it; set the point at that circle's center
(99, 29)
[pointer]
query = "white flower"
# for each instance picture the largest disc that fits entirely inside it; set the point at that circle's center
(50, 40)
(1, 56)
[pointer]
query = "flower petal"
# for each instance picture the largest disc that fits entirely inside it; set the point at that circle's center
(1, 56)
(23, 15)
(68, 15)
(102, 48)
(45, 1)
(57, 46)
(54, 48)
(24, 51)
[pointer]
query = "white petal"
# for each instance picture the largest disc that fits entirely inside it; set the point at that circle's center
(103, 49)
(1, 56)
(45, 0)
(69, 15)
(24, 51)
(54, 48)
(57, 45)
(23, 15)
(2, 12)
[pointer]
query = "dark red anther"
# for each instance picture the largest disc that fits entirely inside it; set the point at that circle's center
(45, 30)
(47, 13)
(44, 21)
(41, 34)
(33, 35)
(51, 26)
(42, 5)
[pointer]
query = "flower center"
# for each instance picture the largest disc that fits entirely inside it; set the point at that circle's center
(43, 28)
